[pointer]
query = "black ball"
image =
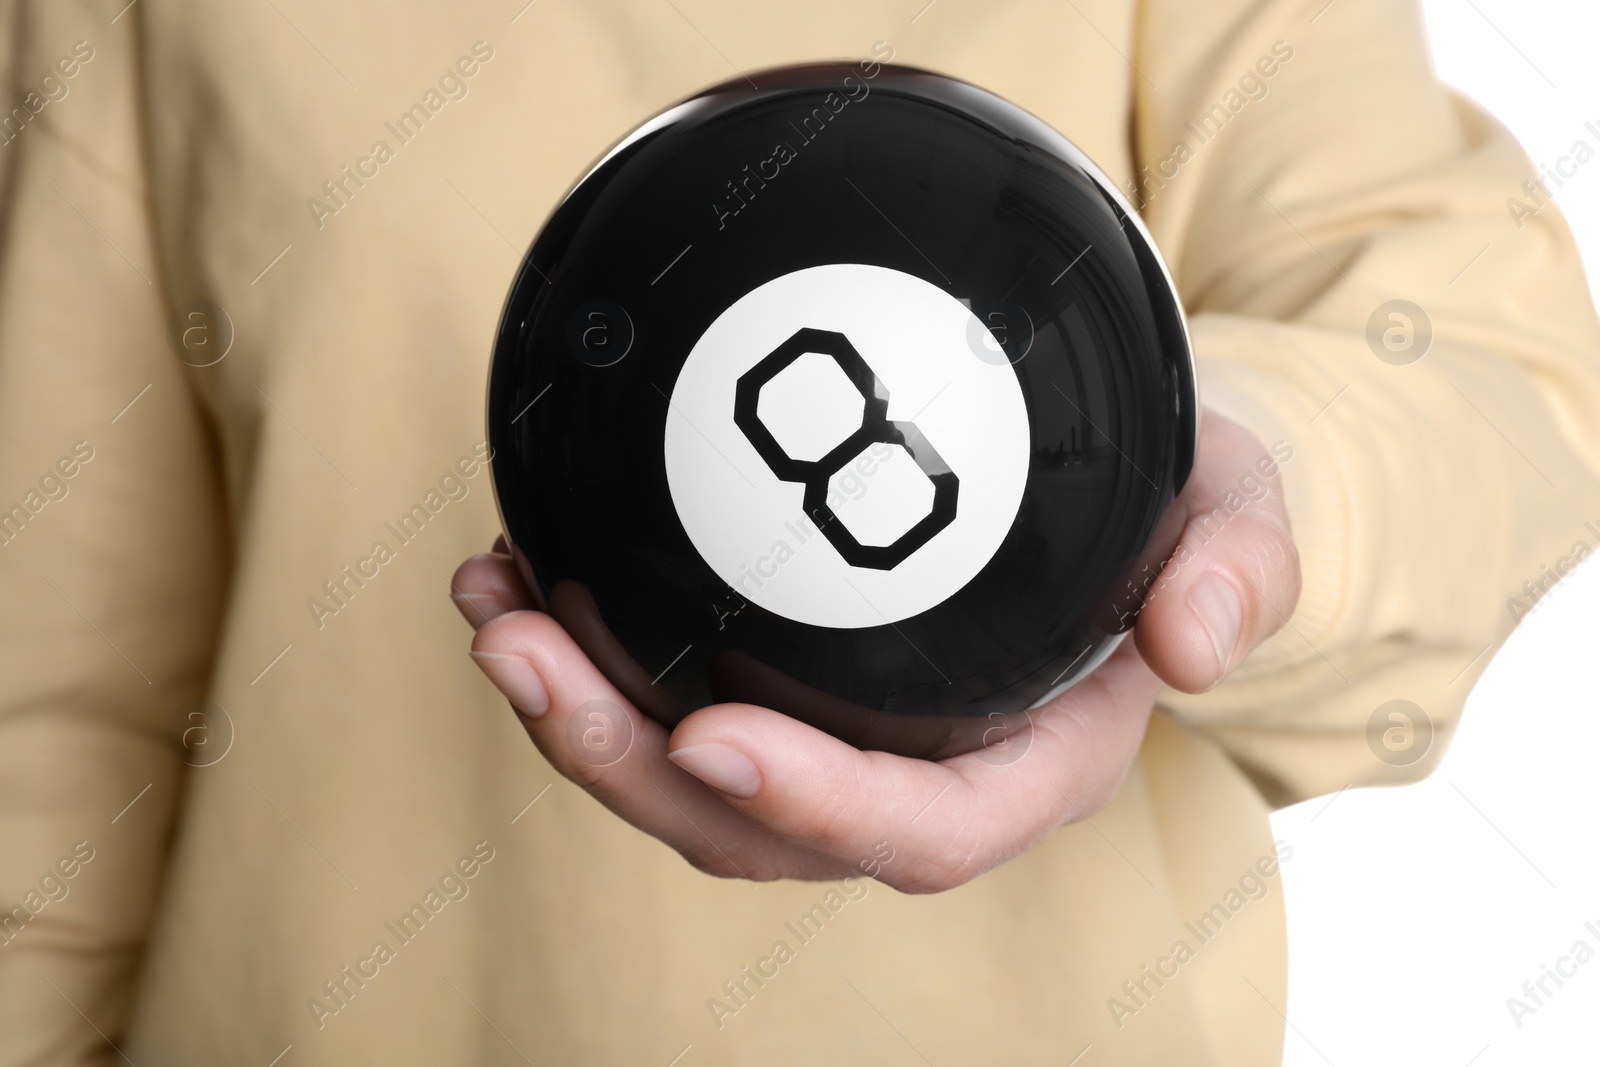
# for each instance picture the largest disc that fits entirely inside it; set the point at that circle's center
(858, 393)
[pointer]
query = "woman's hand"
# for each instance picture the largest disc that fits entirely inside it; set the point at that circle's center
(743, 791)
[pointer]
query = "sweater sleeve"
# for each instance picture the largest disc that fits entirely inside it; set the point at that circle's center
(111, 537)
(1371, 282)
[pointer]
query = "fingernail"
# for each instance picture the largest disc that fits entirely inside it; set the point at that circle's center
(517, 679)
(721, 767)
(1216, 605)
(478, 608)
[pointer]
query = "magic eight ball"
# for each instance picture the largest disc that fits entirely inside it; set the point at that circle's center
(848, 390)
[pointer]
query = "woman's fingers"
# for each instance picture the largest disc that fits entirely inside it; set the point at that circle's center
(487, 586)
(748, 792)
(594, 737)
(944, 823)
(1234, 578)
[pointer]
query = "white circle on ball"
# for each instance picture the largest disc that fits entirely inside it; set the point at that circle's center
(750, 525)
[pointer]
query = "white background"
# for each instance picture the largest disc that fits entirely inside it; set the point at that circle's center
(1414, 913)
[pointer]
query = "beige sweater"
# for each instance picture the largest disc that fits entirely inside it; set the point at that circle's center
(342, 865)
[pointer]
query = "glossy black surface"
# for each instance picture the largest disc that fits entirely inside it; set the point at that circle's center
(918, 173)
